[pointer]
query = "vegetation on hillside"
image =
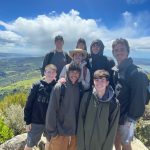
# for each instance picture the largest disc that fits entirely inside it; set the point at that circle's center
(20, 86)
(11, 115)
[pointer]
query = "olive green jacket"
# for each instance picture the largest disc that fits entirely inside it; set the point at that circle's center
(97, 122)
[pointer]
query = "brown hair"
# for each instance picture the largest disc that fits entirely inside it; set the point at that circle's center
(101, 73)
(121, 41)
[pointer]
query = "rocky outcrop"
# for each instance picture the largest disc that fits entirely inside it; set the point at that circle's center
(18, 143)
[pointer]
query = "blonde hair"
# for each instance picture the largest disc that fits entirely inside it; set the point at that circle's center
(50, 66)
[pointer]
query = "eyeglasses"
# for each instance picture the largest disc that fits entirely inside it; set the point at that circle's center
(95, 45)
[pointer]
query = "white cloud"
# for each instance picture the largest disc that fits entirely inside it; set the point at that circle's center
(36, 35)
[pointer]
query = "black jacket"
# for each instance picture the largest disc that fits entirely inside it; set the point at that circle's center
(37, 102)
(130, 92)
(99, 61)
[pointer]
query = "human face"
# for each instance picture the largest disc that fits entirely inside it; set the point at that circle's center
(101, 84)
(81, 46)
(120, 53)
(74, 76)
(59, 44)
(95, 48)
(78, 57)
(50, 75)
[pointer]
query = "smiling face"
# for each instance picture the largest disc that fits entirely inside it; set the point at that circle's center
(74, 76)
(50, 74)
(120, 52)
(95, 48)
(101, 83)
(78, 57)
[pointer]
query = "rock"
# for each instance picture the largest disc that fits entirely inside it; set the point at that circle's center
(18, 143)
(137, 145)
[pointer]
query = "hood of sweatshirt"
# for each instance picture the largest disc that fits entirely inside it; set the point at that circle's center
(109, 93)
(101, 45)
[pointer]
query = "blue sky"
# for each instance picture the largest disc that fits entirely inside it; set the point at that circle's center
(29, 26)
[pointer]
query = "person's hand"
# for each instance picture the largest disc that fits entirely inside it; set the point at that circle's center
(62, 80)
(28, 127)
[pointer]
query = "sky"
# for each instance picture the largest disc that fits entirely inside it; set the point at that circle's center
(30, 26)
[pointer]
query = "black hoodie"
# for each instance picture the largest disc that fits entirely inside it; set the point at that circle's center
(37, 102)
(99, 61)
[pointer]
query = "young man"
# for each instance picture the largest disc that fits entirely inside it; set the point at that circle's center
(98, 60)
(78, 56)
(131, 92)
(57, 57)
(36, 107)
(81, 44)
(98, 116)
(62, 113)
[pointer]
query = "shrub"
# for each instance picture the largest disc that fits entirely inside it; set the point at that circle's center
(14, 118)
(143, 132)
(5, 132)
(17, 98)
(146, 115)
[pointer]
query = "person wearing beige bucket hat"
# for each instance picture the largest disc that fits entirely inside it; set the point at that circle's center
(78, 52)
(78, 56)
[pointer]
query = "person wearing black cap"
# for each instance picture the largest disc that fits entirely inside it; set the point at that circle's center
(57, 57)
(98, 60)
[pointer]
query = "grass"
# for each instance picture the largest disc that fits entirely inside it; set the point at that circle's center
(17, 86)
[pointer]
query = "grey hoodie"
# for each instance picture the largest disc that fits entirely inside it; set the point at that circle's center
(61, 119)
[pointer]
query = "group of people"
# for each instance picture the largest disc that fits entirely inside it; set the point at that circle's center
(84, 101)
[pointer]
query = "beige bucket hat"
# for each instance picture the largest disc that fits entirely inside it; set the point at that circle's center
(83, 52)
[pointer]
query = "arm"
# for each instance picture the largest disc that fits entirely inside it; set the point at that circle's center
(113, 124)
(81, 120)
(138, 85)
(63, 72)
(29, 104)
(110, 66)
(86, 82)
(51, 115)
(68, 58)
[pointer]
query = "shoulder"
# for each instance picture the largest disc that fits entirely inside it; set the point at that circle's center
(136, 71)
(111, 61)
(36, 84)
(86, 97)
(57, 85)
(49, 54)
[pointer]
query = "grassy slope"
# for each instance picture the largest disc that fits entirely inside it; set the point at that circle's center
(16, 87)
